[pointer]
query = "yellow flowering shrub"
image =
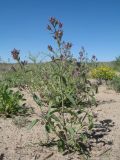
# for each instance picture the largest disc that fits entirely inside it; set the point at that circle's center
(103, 72)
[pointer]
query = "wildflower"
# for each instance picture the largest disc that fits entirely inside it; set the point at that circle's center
(103, 72)
(52, 20)
(58, 34)
(68, 45)
(60, 25)
(15, 53)
(50, 48)
(93, 57)
(49, 28)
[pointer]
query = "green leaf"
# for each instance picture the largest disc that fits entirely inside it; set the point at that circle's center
(71, 131)
(62, 77)
(64, 80)
(91, 126)
(61, 145)
(55, 110)
(71, 99)
(55, 118)
(37, 100)
(48, 113)
(47, 127)
(70, 112)
(33, 123)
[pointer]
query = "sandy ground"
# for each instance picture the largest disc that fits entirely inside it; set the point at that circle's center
(19, 143)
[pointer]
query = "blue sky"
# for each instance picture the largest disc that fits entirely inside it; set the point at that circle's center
(94, 24)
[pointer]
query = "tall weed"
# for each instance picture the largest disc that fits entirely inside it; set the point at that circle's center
(66, 95)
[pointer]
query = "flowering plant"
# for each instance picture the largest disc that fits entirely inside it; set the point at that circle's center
(103, 72)
(66, 95)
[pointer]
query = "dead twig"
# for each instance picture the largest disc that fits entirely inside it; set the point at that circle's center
(105, 151)
(51, 154)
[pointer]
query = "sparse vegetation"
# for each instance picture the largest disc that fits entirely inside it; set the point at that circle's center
(62, 89)
(10, 102)
(116, 83)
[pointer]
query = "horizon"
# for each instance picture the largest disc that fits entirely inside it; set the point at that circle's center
(93, 24)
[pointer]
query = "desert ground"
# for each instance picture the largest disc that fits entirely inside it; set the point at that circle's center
(18, 142)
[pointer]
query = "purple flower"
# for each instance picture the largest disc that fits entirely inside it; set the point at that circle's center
(60, 25)
(49, 28)
(15, 53)
(52, 20)
(68, 45)
(58, 34)
(93, 57)
(50, 48)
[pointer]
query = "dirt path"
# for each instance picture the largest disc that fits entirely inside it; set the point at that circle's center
(19, 143)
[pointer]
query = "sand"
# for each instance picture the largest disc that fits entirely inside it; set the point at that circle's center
(17, 142)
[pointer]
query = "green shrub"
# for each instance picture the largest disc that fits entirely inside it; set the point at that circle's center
(116, 64)
(10, 101)
(116, 84)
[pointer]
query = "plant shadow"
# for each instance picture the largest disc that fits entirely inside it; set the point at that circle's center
(98, 133)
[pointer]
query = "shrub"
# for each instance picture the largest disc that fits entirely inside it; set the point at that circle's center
(10, 102)
(116, 83)
(116, 64)
(103, 72)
